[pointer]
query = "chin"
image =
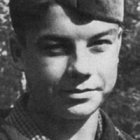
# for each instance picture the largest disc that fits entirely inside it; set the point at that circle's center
(74, 116)
(78, 112)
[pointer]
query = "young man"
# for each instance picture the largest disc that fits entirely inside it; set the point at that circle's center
(69, 51)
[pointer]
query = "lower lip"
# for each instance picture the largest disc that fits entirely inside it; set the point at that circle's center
(76, 98)
(75, 101)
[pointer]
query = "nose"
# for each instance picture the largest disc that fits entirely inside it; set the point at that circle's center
(79, 63)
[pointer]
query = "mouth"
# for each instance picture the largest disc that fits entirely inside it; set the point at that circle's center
(72, 91)
(78, 94)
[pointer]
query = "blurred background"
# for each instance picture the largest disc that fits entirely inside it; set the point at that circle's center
(123, 106)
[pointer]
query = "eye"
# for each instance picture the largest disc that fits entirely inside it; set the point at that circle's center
(54, 48)
(100, 45)
(102, 42)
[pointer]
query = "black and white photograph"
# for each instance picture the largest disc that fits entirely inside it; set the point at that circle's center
(69, 69)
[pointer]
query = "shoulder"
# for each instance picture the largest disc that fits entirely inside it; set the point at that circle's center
(7, 132)
(3, 132)
(110, 131)
(122, 135)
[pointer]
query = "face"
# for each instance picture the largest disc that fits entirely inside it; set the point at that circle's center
(70, 67)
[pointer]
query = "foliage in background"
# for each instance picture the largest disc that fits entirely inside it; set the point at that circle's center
(123, 105)
(9, 77)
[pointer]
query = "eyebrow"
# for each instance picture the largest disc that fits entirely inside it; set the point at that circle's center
(66, 39)
(108, 32)
(112, 32)
(53, 37)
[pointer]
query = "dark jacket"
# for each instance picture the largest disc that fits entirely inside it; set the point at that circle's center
(110, 132)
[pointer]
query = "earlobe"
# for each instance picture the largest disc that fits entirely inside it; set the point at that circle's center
(16, 51)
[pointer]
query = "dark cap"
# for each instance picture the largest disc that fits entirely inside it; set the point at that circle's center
(111, 10)
(99, 9)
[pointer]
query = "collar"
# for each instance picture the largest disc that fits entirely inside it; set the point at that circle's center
(23, 122)
(109, 130)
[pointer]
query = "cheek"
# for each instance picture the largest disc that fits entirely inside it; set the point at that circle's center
(108, 71)
(54, 67)
(46, 68)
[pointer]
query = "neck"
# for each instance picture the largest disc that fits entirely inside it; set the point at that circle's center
(61, 129)
(57, 128)
(83, 129)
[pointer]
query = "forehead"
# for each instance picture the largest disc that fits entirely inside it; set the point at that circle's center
(59, 20)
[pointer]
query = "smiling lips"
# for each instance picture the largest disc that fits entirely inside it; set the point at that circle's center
(72, 91)
(77, 94)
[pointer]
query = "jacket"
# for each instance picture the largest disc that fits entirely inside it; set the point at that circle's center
(110, 132)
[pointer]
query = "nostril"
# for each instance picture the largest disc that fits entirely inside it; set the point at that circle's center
(79, 76)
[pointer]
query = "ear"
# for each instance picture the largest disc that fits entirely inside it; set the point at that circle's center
(17, 52)
(120, 39)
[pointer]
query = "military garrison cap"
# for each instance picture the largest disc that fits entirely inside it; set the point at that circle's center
(111, 10)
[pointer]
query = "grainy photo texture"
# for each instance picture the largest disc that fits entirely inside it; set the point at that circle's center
(69, 70)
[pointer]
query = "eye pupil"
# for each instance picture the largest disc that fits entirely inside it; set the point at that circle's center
(100, 42)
